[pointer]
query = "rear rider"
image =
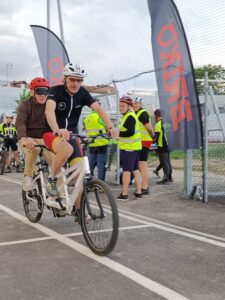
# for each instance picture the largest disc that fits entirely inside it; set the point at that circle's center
(30, 124)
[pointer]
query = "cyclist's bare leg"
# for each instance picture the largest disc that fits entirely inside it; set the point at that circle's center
(48, 156)
(144, 173)
(16, 156)
(137, 180)
(78, 200)
(125, 182)
(63, 150)
(7, 162)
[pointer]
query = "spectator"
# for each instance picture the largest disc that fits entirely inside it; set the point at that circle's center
(146, 140)
(97, 150)
(129, 144)
(163, 148)
(8, 129)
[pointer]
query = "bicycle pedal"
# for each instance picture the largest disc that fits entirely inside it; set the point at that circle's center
(59, 200)
(59, 214)
(52, 203)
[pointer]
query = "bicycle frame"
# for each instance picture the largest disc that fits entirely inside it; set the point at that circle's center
(79, 171)
(97, 214)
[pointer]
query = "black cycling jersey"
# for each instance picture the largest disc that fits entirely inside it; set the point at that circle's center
(144, 117)
(68, 108)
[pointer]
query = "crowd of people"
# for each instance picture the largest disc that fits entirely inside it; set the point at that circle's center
(51, 114)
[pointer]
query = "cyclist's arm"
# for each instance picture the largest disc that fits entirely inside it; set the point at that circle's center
(21, 121)
(149, 128)
(108, 123)
(144, 118)
(51, 119)
(50, 115)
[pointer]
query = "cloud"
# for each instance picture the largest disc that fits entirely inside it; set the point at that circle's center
(111, 39)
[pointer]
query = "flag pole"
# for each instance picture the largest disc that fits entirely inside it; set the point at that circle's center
(60, 22)
(48, 14)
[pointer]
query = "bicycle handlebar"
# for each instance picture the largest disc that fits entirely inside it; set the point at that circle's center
(89, 140)
(84, 139)
(41, 146)
(4, 136)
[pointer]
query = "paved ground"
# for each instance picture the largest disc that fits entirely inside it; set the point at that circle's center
(168, 248)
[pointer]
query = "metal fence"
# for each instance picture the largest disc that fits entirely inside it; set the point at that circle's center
(206, 176)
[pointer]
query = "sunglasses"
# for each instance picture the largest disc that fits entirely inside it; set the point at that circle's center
(75, 80)
(42, 91)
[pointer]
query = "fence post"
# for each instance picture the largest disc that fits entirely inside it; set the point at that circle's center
(188, 186)
(117, 125)
(205, 143)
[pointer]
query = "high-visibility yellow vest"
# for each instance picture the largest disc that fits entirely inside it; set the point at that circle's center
(8, 130)
(112, 142)
(132, 142)
(159, 128)
(93, 123)
(145, 136)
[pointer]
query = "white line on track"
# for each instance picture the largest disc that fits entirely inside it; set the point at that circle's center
(11, 179)
(193, 234)
(68, 235)
(127, 272)
(202, 237)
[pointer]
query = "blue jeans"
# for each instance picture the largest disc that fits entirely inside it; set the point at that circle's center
(98, 158)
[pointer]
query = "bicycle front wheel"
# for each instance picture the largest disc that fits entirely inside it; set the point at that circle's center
(2, 161)
(33, 202)
(99, 217)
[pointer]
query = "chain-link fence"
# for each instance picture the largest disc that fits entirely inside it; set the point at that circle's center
(207, 180)
(122, 48)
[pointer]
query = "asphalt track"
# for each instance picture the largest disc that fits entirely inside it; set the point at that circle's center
(168, 248)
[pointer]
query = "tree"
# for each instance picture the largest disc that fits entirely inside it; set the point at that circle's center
(23, 96)
(214, 72)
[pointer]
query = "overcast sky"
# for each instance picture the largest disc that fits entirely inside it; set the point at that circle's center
(111, 39)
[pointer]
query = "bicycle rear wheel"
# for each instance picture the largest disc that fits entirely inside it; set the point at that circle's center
(33, 202)
(99, 217)
(2, 161)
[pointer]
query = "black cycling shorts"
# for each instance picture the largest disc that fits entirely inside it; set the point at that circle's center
(11, 143)
(143, 154)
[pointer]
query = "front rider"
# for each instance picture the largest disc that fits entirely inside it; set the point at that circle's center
(63, 109)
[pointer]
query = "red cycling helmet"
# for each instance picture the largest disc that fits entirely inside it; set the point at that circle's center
(39, 82)
(127, 100)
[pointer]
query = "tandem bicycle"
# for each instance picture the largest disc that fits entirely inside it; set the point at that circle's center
(98, 214)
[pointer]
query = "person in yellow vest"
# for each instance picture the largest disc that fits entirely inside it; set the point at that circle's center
(163, 148)
(8, 129)
(97, 150)
(146, 140)
(129, 143)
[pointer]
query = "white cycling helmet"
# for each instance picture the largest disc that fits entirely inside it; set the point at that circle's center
(10, 116)
(138, 100)
(75, 70)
